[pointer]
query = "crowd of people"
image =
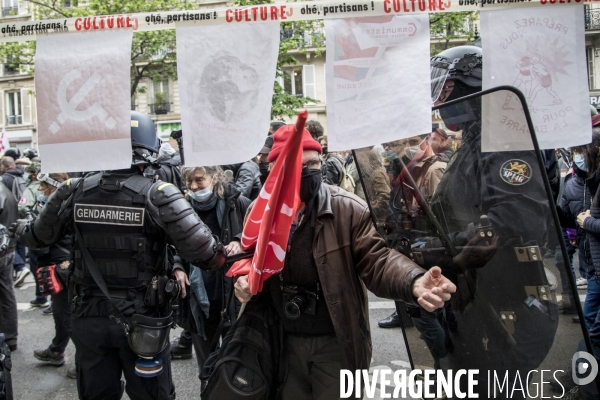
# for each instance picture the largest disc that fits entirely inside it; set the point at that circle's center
(124, 255)
(105, 275)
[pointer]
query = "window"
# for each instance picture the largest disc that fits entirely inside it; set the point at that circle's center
(590, 66)
(9, 68)
(292, 83)
(161, 103)
(13, 108)
(10, 8)
(300, 81)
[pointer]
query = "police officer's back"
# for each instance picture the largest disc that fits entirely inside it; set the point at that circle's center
(122, 222)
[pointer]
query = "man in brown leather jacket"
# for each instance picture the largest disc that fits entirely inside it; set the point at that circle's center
(335, 254)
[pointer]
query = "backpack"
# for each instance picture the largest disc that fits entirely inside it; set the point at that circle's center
(247, 364)
(347, 183)
(18, 187)
(6, 390)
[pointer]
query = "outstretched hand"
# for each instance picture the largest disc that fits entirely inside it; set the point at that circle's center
(432, 289)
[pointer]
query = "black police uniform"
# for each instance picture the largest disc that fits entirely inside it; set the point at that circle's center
(490, 324)
(125, 221)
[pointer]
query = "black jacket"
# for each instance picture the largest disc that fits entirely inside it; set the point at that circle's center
(216, 283)
(333, 173)
(577, 198)
(170, 159)
(9, 212)
(8, 177)
(247, 178)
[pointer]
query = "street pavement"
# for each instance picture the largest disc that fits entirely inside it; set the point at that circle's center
(32, 380)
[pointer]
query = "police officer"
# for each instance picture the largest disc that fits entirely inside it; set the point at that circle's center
(122, 222)
(492, 324)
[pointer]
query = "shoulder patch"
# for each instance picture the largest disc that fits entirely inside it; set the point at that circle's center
(109, 215)
(515, 172)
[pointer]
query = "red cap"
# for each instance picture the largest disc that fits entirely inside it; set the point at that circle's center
(279, 138)
(596, 120)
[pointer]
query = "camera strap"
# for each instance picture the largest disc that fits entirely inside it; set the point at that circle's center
(219, 331)
(99, 280)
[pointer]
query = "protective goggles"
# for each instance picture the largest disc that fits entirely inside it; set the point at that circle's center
(42, 177)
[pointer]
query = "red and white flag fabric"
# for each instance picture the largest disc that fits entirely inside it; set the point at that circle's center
(268, 225)
(4, 145)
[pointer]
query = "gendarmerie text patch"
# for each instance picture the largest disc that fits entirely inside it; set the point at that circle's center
(109, 215)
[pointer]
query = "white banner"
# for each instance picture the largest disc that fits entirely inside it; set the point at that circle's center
(377, 75)
(281, 11)
(542, 53)
(225, 85)
(82, 84)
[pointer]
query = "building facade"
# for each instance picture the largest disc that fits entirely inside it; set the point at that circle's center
(160, 99)
(17, 104)
(592, 51)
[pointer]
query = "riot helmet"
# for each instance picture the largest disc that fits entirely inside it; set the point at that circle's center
(144, 142)
(30, 153)
(13, 152)
(463, 66)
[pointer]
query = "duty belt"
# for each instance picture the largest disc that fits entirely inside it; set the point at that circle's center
(115, 293)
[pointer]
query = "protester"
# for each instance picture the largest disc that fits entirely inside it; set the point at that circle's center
(334, 169)
(30, 199)
(222, 208)
(576, 198)
(12, 178)
(8, 303)
(335, 252)
(59, 256)
(274, 126)
(316, 129)
(262, 159)
(22, 163)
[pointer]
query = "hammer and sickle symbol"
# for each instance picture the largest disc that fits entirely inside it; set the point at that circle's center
(68, 108)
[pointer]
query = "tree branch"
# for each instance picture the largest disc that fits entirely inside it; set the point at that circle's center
(41, 4)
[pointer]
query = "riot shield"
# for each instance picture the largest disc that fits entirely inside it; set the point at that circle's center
(482, 209)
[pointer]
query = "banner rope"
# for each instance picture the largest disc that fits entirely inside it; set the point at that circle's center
(293, 11)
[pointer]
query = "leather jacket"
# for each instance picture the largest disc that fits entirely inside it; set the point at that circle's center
(352, 257)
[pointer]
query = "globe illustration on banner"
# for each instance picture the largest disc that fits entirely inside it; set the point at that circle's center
(229, 87)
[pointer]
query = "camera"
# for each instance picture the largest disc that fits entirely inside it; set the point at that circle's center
(177, 134)
(297, 300)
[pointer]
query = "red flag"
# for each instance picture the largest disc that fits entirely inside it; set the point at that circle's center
(268, 225)
(4, 141)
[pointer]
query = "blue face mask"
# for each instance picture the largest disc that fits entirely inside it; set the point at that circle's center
(42, 199)
(580, 162)
(201, 195)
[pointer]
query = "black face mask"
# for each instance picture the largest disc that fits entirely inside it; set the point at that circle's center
(310, 184)
(324, 149)
(264, 171)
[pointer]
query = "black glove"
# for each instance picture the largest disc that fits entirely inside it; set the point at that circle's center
(18, 228)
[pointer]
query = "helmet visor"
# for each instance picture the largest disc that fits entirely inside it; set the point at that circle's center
(438, 79)
(149, 336)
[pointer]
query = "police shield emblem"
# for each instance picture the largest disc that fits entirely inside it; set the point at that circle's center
(489, 221)
(515, 172)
